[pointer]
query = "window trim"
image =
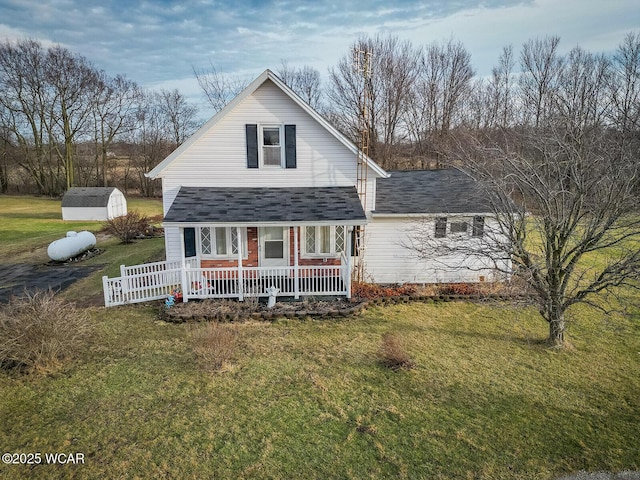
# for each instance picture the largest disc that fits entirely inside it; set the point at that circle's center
(333, 252)
(261, 145)
(228, 231)
(459, 222)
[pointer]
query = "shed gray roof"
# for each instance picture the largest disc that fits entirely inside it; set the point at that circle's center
(87, 196)
(429, 191)
(266, 205)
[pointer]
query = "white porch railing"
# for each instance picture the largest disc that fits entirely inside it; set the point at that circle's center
(141, 283)
(153, 281)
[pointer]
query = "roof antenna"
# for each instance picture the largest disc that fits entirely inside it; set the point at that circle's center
(362, 67)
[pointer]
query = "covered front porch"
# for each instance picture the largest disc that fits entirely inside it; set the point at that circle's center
(265, 257)
(239, 261)
(240, 242)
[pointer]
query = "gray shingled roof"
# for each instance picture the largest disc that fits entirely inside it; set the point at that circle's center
(270, 205)
(87, 196)
(429, 191)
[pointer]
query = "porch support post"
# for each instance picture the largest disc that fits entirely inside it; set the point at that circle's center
(240, 271)
(349, 230)
(296, 271)
(183, 269)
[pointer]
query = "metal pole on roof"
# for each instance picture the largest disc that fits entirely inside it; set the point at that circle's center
(363, 67)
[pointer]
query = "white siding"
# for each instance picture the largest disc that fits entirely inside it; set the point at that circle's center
(389, 260)
(172, 243)
(117, 205)
(84, 213)
(218, 158)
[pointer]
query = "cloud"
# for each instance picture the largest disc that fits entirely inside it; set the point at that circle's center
(159, 42)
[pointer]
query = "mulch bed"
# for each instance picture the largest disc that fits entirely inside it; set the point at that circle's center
(231, 310)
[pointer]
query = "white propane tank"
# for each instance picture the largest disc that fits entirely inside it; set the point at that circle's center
(70, 246)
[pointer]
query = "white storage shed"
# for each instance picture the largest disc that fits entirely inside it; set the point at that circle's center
(93, 203)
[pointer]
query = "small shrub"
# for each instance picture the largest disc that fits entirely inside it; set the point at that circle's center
(128, 227)
(459, 289)
(38, 331)
(214, 344)
(373, 290)
(392, 353)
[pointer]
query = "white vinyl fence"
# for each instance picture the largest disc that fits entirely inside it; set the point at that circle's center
(153, 281)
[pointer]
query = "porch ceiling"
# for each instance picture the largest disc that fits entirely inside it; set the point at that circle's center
(250, 206)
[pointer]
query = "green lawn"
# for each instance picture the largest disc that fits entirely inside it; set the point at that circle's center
(309, 398)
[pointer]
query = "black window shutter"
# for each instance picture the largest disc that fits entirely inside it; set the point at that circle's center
(290, 146)
(252, 145)
(189, 242)
(441, 227)
(478, 226)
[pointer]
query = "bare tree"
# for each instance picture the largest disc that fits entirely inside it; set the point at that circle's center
(115, 102)
(500, 92)
(393, 71)
(541, 65)
(581, 99)
(439, 95)
(304, 81)
(26, 101)
(178, 114)
(218, 88)
(7, 152)
(625, 89)
(73, 80)
(556, 205)
(154, 139)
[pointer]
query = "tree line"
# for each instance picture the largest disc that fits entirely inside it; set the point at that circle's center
(63, 122)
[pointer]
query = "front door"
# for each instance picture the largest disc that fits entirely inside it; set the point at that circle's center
(274, 246)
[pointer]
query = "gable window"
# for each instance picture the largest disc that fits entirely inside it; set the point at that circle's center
(324, 240)
(221, 242)
(271, 146)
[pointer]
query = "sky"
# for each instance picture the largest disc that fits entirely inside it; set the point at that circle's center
(158, 43)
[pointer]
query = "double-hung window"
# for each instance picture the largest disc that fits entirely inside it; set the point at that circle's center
(324, 240)
(271, 145)
(222, 242)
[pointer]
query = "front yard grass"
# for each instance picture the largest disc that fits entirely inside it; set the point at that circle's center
(310, 399)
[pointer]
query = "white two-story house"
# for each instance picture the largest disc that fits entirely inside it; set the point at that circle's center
(268, 193)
